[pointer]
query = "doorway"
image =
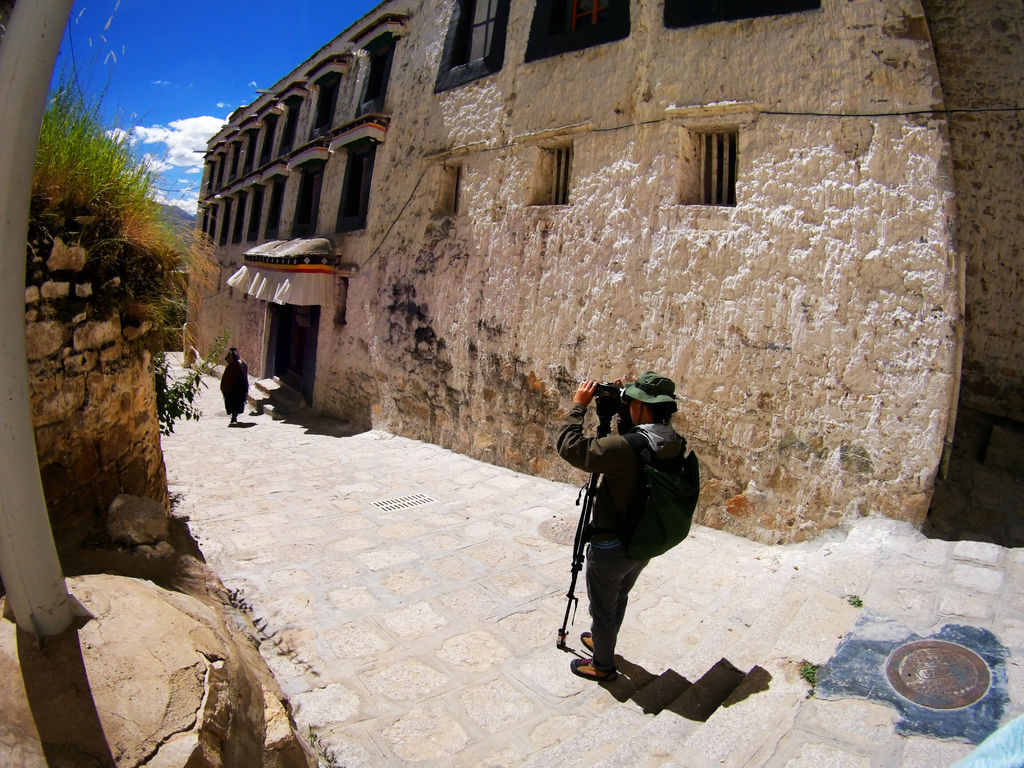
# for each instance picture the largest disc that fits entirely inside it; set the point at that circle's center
(291, 348)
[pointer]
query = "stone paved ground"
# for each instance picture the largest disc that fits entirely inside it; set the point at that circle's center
(426, 634)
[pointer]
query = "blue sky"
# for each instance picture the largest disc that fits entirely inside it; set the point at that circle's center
(173, 72)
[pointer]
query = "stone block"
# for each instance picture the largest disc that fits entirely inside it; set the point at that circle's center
(426, 734)
(976, 577)
(83, 290)
(132, 332)
(112, 354)
(44, 339)
(97, 334)
(54, 290)
(53, 401)
(137, 520)
(980, 551)
(66, 257)
(31, 294)
(967, 605)
(80, 363)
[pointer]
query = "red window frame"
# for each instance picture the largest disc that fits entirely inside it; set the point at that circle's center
(586, 17)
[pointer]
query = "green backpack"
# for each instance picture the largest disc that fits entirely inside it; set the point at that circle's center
(667, 498)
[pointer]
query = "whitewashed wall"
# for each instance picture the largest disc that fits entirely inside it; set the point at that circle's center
(812, 328)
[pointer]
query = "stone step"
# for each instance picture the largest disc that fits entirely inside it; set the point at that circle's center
(276, 398)
(682, 709)
(658, 713)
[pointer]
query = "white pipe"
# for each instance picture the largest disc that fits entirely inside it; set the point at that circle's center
(33, 580)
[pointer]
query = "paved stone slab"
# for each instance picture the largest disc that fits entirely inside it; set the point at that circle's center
(426, 635)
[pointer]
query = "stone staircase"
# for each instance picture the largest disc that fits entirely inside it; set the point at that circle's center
(668, 710)
(274, 397)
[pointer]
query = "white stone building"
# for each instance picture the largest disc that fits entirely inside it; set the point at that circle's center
(456, 209)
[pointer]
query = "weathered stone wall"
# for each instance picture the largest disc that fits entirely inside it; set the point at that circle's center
(215, 308)
(92, 393)
(980, 53)
(812, 328)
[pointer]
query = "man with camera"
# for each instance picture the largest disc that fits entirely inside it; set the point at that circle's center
(644, 408)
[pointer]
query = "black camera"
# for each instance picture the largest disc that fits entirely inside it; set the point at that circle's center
(610, 402)
(605, 390)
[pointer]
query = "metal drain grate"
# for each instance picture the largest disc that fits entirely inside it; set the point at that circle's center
(403, 502)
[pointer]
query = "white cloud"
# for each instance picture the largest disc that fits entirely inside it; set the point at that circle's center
(184, 139)
(160, 82)
(156, 163)
(184, 143)
(188, 206)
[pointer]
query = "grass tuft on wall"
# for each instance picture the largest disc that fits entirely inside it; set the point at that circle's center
(91, 189)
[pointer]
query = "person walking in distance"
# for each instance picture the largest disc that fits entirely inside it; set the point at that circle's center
(610, 571)
(234, 385)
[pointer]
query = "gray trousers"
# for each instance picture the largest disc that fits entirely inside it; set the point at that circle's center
(611, 573)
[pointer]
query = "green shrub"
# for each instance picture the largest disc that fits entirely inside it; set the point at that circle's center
(176, 398)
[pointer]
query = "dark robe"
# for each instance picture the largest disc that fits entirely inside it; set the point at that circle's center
(234, 385)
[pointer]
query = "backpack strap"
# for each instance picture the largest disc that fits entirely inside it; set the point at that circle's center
(641, 445)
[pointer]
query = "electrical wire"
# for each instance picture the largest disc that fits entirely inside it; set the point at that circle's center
(783, 113)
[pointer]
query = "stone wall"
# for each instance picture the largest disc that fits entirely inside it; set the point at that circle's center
(812, 327)
(980, 53)
(92, 393)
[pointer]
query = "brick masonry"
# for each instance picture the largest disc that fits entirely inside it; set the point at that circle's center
(92, 395)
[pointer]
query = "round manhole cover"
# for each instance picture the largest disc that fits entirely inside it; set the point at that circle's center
(938, 674)
(559, 530)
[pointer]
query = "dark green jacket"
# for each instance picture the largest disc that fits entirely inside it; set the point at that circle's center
(613, 458)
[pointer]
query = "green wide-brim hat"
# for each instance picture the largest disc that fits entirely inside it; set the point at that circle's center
(651, 388)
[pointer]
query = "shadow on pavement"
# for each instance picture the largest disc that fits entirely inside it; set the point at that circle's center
(981, 497)
(721, 686)
(314, 424)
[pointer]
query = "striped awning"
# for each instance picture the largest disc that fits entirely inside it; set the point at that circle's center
(299, 272)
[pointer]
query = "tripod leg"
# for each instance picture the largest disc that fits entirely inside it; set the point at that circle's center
(577, 559)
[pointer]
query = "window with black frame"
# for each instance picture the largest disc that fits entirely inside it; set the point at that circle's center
(475, 44)
(236, 231)
(226, 223)
(249, 153)
(255, 213)
(561, 26)
(691, 13)
(327, 99)
(274, 209)
(307, 206)
(380, 51)
(210, 174)
(291, 124)
(233, 173)
(269, 129)
(355, 192)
